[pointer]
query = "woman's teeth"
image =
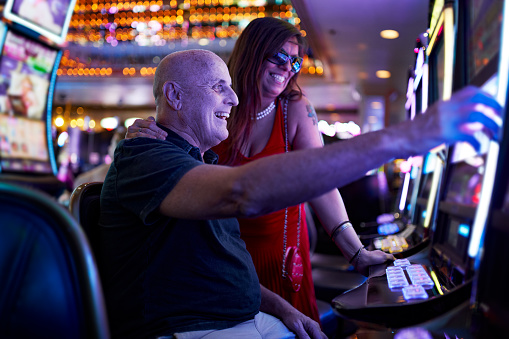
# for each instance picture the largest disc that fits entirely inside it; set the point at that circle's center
(279, 78)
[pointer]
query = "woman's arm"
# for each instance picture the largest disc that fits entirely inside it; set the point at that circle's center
(329, 207)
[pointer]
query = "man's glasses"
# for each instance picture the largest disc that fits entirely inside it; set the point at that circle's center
(281, 58)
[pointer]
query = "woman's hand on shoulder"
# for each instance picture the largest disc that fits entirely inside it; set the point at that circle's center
(146, 129)
(303, 124)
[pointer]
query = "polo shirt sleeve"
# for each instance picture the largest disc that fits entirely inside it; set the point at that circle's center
(147, 172)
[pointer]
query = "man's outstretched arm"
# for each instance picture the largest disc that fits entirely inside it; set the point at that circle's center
(275, 182)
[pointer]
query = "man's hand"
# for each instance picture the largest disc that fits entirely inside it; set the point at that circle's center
(367, 258)
(146, 129)
(302, 326)
(469, 111)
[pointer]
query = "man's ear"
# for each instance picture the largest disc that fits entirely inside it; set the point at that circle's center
(173, 95)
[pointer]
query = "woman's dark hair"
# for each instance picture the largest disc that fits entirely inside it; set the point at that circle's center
(261, 39)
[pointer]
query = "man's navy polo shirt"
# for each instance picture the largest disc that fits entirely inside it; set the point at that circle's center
(163, 275)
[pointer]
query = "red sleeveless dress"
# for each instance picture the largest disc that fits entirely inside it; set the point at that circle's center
(264, 236)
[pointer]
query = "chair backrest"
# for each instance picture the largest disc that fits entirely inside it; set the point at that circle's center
(49, 285)
(84, 205)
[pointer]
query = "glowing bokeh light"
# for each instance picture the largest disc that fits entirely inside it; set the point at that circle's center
(389, 34)
(109, 123)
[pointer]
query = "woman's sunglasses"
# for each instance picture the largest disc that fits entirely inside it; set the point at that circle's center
(281, 58)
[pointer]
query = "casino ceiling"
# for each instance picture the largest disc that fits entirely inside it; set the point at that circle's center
(113, 47)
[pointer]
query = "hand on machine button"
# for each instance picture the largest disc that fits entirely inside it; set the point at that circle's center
(367, 258)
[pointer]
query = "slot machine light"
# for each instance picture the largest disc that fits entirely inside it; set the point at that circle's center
(62, 138)
(49, 109)
(464, 230)
(419, 64)
(436, 15)
(409, 93)
(449, 42)
(404, 193)
(405, 166)
(433, 192)
(435, 34)
(437, 283)
(425, 87)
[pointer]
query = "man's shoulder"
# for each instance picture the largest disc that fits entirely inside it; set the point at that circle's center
(152, 155)
(142, 145)
(144, 141)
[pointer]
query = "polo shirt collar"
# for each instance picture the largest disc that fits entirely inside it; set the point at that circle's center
(209, 156)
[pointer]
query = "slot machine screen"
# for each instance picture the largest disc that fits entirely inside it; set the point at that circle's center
(49, 18)
(424, 191)
(463, 188)
(467, 165)
(26, 67)
(483, 35)
(427, 175)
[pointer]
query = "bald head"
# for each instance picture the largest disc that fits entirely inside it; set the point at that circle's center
(194, 96)
(184, 68)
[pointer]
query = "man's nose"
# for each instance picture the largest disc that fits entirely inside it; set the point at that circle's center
(232, 98)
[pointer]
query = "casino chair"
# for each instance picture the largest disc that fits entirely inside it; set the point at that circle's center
(49, 283)
(84, 206)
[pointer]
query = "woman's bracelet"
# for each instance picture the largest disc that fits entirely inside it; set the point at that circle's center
(358, 258)
(356, 254)
(340, 228)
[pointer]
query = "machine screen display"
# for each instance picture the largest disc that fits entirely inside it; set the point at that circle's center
(465, 183)
(25, 72)
(49, 18)
(485, 21)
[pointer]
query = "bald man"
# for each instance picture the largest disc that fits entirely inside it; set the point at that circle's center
(170, 269)
(172, 259)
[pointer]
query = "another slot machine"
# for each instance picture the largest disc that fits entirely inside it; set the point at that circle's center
(29, 59)
(489, 300)
(401, 220)
(429, 287)
(434, 73)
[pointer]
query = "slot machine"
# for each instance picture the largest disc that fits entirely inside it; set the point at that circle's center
(433, 80)
(402, 217)
(30, 41)
(429, 287)
(489, 301)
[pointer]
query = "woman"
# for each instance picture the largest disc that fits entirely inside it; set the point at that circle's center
(264, 66)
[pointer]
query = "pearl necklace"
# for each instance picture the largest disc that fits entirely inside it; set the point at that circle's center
(265, 112)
